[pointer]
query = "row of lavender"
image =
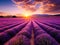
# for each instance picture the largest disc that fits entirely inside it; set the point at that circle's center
(20, 33)
(9, 28)
(52, 28)
(43, 37)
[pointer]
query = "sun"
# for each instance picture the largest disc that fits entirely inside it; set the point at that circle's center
(27, 14)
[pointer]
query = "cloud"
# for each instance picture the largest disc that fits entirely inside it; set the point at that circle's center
(45, 6)
(53, 6)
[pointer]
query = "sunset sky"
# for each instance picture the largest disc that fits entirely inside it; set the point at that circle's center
(8, 7)
(34, 6)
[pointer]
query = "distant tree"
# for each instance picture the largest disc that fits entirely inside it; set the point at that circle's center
(14, 16)
(1, 16)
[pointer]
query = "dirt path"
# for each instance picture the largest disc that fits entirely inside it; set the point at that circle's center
(32, 38)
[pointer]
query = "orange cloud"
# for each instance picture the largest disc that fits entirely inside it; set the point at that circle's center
(41, 6)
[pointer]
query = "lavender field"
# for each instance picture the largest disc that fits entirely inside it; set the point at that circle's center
(42, 30)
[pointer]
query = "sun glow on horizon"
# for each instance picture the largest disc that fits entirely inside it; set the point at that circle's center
(27, 14)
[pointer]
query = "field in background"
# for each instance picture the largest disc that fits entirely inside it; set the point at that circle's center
(37, 30)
